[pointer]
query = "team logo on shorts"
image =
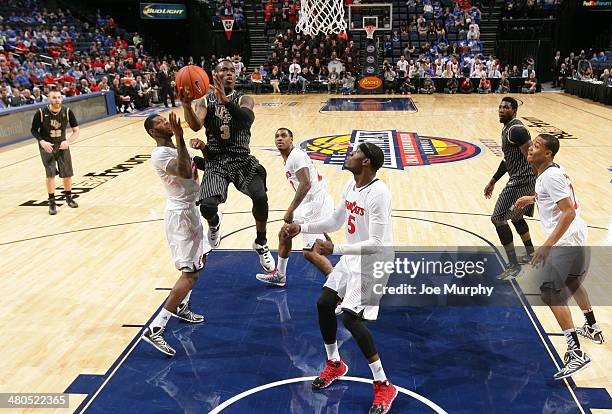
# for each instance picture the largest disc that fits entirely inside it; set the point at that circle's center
(402, 149)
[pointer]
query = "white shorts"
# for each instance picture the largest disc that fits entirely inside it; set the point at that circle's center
(186, 239)
(357, 289)
(315, 208)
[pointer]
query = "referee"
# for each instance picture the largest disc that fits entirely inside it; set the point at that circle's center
(49, 128)
(515, 145)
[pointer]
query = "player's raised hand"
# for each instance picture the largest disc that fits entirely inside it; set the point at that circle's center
(175, 124)
(185, 95)
(220, 89)
(323, 247)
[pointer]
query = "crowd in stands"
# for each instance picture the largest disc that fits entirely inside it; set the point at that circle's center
(580, 66)
(42, 49)
(228, 8)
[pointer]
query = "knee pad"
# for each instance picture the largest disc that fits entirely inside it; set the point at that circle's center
(505, 234)
(327, 301)
(209, 208)
(260, 207)
(521, 226)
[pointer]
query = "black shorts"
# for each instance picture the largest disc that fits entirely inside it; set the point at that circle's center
(504, 209)
(58, 160)
(222, 170)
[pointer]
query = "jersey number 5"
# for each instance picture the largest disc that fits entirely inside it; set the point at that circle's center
(225, 131)
(351, 224)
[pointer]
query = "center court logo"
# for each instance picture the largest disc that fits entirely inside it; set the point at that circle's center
(402, 149)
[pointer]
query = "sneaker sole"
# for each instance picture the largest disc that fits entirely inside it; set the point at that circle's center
(332, 381)
(267, 282)
(156, 347)
(585, 366)
(190, 320)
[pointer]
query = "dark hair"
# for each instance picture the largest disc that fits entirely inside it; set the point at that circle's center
(220, 61)
(512, 101)
(374, 154)
(288, 131)
(552, 143)
(149, 123)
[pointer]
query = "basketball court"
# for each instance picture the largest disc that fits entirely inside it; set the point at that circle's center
(79, 287)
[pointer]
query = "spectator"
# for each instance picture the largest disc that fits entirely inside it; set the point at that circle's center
(452, 85)
(484, 86)
(389, 76)
(465, 86)
(527, 72)
(556, 68)
(428, 86)
(16, 100)
(348, 84)
(294, 80)
(256, 81)
(333, 80)
(275, 78)
(5, 99)
(407, 88)
(530, 84)
(563, 74)
(504, 84)
(38, 96)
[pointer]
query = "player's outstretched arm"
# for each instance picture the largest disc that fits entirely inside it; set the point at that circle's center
(303, 176)
(330, 224)
(242, 114)
(180, 166)
(194, 111)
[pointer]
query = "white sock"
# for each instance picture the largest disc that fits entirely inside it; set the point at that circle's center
(161, 319)
(332, 351)
(282, 264)
(186, 298)
(377, 371)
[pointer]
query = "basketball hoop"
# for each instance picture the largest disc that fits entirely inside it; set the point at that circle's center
(370, 31)
(321, 16)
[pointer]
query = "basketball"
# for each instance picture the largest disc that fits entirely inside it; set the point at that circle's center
(195, 78)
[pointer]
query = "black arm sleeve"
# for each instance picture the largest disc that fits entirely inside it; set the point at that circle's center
(519, 135)
(243, 116)
(36, 125)
(501, 170)
(72, 119)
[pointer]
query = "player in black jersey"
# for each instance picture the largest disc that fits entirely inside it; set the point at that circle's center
(49, 128)
(227, 116)
(515, 145)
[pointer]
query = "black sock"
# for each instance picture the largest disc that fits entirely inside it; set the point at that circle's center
(67, 193)
(261, 238)
(52, 197)
(214, 222)
(590, 317)
(511, 255)
(529, 246)
(572, 339)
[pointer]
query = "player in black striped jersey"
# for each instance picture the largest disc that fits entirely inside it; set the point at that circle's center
(227, 116)
(515, 144)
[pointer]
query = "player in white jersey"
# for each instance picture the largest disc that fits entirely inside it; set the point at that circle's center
(310, 203)
(365, 213)
(177, 168)
(563, 257)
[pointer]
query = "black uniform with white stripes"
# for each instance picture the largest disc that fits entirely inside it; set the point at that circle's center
(228, 156)
(522, 178)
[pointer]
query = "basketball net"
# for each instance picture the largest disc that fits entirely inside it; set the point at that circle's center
(321, 16)
(370, 31)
